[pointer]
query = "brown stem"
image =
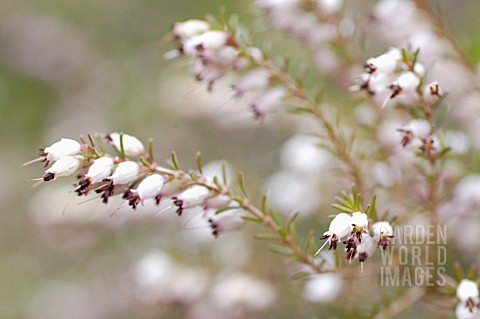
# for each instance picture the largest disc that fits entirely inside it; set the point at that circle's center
(287, 240)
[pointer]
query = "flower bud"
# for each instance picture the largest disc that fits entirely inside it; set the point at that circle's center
(65, 166)
(64, 147)
(191, 197)
(131, 145)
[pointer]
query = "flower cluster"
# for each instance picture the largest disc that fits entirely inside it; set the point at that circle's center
(134, 175)
(397, 75)
(217, 53)
(319, 24)
(360, 242)
(467, 294)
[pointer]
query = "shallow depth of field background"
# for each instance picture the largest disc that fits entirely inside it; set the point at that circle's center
(71, 67)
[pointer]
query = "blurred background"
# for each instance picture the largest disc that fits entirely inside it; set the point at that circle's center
(70, 67)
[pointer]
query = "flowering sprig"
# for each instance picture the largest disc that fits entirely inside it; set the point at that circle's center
(139, 178)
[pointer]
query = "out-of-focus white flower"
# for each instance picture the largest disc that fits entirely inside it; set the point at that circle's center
(64, 147)
(270, 102)
(463, 312)
(323, 288)
(191, 197)
(303, 154)
(240, 291)
(467, 289)
(63, 167)
(131, 145)
(382, 228)
(253, 80)
(366, 248)
(339, 227)
(330, 6)
(148, 188)
(230, 220)
(205, 41)
(467, 293)
(405, 87)
(432, 92)
(190, 28)
(414, 132)
(385, 63)
(457, 141)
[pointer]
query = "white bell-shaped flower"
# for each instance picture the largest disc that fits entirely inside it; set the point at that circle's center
(131, 145)
(230, 220)
(65, 166)
(100, 169)
(253, 80)
(339, 227)
(467, 289)
(432, 92)
(385, 63)
(64, 147)
(191, 197)
(360, 220)
(382, 228)
(125, 173)
(148, 188)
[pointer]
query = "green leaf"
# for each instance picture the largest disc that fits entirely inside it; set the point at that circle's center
(301, 275)
(199, 162)
(275, 217)
(241, 183)
(175, 163)
(253, 219)
(150, 149)
(122, 149)
(282, 250)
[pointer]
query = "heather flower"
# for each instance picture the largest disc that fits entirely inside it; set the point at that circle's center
(131, 145)
(190, 28)
(64, 147)
(193, 196)
(269, 102)
(467, 293)
(148, 188)
(230, 220)
(100, 169)
(339, 227)
(125, 174)
(382, 232)
(63, 167)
